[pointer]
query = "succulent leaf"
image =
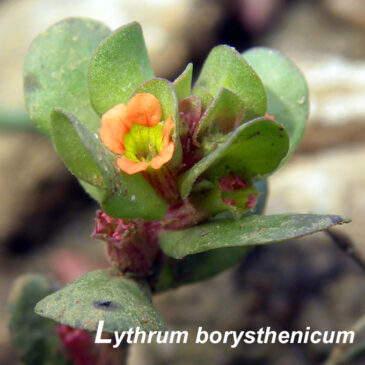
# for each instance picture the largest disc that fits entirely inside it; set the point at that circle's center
(223, 115)
(182, 84)
(102, 295)
(33, 337)
(286, 89)
(73, 152)
(119, 64)
(225, 67)
(247, 231)
(255, 149)
(55, 71)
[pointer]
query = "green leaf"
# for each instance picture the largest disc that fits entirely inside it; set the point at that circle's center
(224, 114)
(225, 67)
(119, 65)
(165, 93)
(205, 96)
(254, 149)
(94, 192)
(286, 89)
(247, 231)
(55, 71)
(34, 338)
(201, 266)
(127, 196)
(102, 295)
(70, 147)
(182, 84)
(207, 264)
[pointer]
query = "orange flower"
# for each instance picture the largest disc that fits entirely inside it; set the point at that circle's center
(134, 131)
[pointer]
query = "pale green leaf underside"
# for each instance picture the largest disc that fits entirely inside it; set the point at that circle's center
(247, 231)
(94, 192)
(286, 89)
(102, 295)
(73, 152)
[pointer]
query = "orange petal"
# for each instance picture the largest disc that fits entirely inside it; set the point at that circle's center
(114, 125)
(164, 156)
(144, 109)
(269, 116)
(131, 167)
(167, 128)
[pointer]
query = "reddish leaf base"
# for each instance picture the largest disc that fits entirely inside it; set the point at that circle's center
(132, 245)
(79, 345)
(82, 350)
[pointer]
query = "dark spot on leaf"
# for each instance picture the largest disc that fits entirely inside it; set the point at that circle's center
(254, 135)
(107, 305)
(31, 83)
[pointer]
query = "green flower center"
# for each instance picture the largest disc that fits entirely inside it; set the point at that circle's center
(143, 143)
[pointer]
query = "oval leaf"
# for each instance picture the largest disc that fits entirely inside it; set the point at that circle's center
(247, 231)
(34, 338)
(222, 116)
(55, 71)
(102, 295)
(182, 84)
(225, 67)
(119, 65)
(206, 98)
(255, 148)
(73, 152)
(286, 89)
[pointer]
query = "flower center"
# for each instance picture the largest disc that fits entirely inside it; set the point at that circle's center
(142, 143)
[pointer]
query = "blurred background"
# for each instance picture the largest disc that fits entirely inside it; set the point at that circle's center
(46, 219)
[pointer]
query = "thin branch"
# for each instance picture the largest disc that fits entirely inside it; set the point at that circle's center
(342, 353)
(345, 244)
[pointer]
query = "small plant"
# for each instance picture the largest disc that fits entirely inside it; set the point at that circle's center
(179, 171)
